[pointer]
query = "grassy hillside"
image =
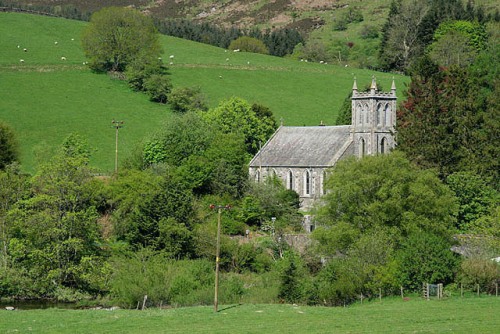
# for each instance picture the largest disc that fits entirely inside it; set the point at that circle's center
(467, 315)
(45, 98)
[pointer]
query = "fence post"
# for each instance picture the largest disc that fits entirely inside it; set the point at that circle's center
(478, 289)
(380, 293)
(496, 289)
(461, 290)
(402, 295)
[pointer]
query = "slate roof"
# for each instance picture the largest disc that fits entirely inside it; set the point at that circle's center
(304, 146)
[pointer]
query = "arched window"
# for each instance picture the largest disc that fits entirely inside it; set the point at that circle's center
(362, 148)
(257, 176)
(289, 180)
(388, 115)
(359, 108)
(383, 144)
(307, 183)
(366, 113)
(380, 115)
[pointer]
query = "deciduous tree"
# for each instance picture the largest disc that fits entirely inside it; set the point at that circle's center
(117, 36)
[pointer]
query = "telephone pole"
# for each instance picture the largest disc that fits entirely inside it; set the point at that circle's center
(217, 251)
(117, 125)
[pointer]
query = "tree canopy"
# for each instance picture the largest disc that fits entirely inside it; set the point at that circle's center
(117, 36)
(8, 146)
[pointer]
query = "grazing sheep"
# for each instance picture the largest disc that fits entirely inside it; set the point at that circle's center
(236, 50)
(227, 59)
(321, 62)
(18, 46)
(25, 50)
(171, 57)
(171, 63)
(55, 43)
(63, 58)
(21, 60)
(72, 39)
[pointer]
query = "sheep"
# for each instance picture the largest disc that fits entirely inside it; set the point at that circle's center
(21, 61)
(63, 58)
(55, 43)
(25, 50)
(236, 50)
(72, 39)
(227, 59)
(171, 63)
(18, 46)
(171, 57)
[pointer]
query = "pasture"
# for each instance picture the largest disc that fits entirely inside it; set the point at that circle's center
(46, 97)
(391, 315)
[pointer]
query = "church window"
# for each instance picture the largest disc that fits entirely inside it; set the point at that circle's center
(366, 113)
(388, 115)
(307, 183)
(380, 114)
(257, 176)
(362, 148)
(383, 144)
(359, 108)
(289, 180)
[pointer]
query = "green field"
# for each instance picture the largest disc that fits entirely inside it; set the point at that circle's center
(44, 98)
(456, 315)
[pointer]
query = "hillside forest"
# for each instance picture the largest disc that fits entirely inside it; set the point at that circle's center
(428, 212)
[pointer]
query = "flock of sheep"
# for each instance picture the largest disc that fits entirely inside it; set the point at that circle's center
(63, 58)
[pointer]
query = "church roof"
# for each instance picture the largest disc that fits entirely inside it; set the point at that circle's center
(304, 146)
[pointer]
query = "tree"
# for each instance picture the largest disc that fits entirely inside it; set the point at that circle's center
(249, 44)
(184, 99)
(450, 117)
(54, 238)
(384, 192)
(457, 42)
(8, 146)
(236, 115)
(117, 36)
(426, 258)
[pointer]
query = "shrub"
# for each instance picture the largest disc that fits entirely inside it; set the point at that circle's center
(484, 272)
(158, 87)
(186, 99)
(248, 44)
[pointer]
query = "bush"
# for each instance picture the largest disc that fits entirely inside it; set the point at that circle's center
(248, 44)
(369, 31)
(186, 99)
(484, 272)
(158, 87)
(8, 146)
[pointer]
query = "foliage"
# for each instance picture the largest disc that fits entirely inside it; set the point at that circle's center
(475, 196)
(184, 99)
(236, 115)
(248, 44)
(382, 192)
(54, 236)
(450, 118)
(457, 42)
(117, 36)
(164, 281)
(426, 258)
(158, 87)
(474, 271)
(8, 146)
(139, 70)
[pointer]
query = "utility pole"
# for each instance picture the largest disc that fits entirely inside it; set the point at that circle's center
(117, 125)
(217, 252)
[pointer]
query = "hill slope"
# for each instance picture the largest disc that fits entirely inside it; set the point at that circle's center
(45, 98)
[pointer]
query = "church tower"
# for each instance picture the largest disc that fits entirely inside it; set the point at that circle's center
(373, 120)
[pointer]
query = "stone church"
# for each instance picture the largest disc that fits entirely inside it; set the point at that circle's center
(302, 155)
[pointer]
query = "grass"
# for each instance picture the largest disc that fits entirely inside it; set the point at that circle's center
(391, 315)
(45, 98)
